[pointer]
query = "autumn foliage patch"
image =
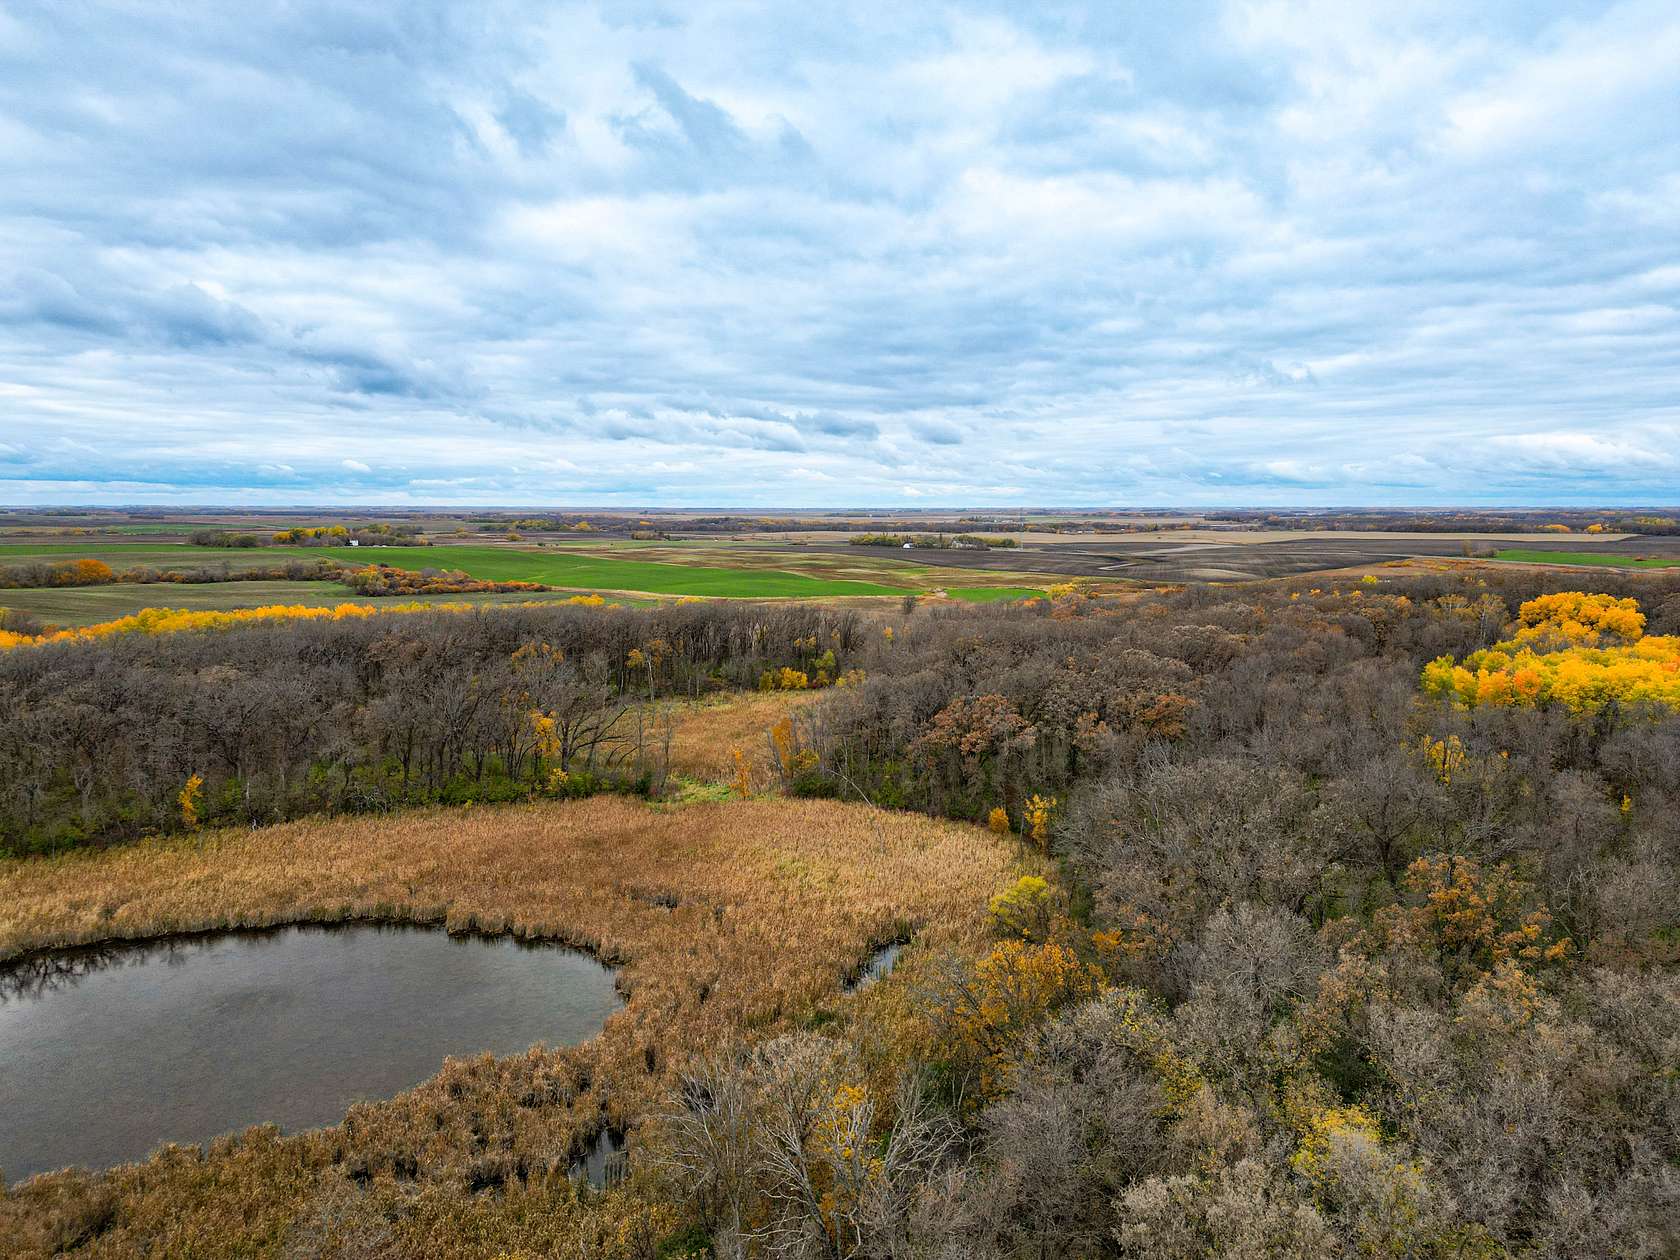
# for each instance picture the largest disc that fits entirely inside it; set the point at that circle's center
(1571, 649)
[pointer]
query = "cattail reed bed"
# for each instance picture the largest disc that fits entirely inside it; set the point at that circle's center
(722, 918)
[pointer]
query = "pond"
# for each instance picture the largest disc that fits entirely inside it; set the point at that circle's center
(107, 1052)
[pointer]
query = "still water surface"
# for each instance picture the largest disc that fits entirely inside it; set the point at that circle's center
(105, 1053)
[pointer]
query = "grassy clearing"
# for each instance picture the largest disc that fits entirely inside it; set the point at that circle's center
(991, 594)
(723, 917)
(705, 733)
(1524, 556)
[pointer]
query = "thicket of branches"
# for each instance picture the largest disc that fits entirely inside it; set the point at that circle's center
(99, 739)
(1348, 970)
(382, 580)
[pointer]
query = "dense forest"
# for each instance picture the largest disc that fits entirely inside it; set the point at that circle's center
(1344, 966)
(1362, 944)
(297, 713)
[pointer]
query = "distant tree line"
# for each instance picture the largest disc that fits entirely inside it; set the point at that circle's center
(94, 572)
(540, 524)
(937, 542)
(378, 533)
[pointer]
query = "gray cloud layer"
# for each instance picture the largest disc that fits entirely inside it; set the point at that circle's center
(813, 255)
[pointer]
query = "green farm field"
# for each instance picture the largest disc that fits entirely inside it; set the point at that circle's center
(601, 573)
(1599, 558)
(991, 594)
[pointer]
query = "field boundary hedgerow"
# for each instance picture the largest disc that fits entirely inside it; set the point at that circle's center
(177, 620)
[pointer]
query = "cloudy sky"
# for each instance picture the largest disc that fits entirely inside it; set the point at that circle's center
(794, 254)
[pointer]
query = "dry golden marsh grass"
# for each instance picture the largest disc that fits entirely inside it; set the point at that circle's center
(704, 734)
(724, 918)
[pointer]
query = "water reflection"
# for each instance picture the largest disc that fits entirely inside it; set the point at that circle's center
(605, 1163)
(40, 973)
(878, 965)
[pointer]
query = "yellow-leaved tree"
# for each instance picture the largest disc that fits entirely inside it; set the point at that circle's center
(188, 797)
(1574, 649)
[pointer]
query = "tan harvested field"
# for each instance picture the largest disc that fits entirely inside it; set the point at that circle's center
(723, 918)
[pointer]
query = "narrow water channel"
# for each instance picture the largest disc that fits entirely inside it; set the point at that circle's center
(877, 966)
(106, 1053)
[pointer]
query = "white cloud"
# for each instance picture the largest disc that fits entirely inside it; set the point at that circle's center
(1250, 251)
(1574, 450)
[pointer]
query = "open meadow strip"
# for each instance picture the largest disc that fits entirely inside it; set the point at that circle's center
(706, 735)
(722, 918)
